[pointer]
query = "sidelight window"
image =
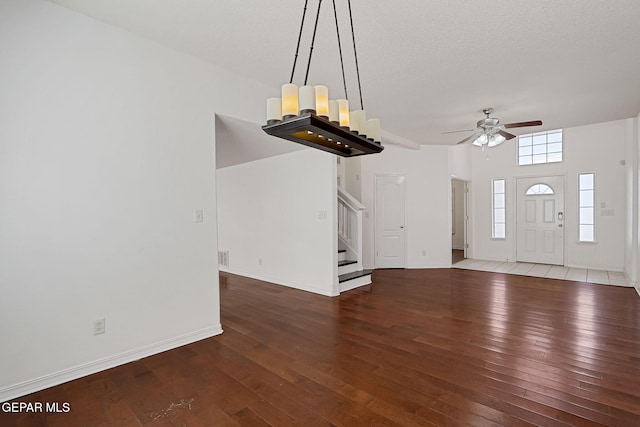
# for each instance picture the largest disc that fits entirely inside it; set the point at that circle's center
(499, 209)
(586, 207)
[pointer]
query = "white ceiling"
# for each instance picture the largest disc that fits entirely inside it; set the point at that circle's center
(426, 66)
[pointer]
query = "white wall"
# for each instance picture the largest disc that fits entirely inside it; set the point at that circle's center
(597, 148)
(428, 202)
(268, 220)
(460, 165)
(631, 195)
(106, 150)
(635, 253)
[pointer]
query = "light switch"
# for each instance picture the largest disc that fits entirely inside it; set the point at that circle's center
(198, 215)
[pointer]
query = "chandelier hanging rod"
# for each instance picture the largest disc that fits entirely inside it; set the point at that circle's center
(295, 57)
(313, 40)
(355, 54)
(344, 79)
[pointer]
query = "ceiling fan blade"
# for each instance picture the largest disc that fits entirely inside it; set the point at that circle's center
(456, 131)
(507, 135)
(469, 138)
(523, 124)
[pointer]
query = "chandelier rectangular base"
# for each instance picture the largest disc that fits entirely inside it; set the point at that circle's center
(317, 132)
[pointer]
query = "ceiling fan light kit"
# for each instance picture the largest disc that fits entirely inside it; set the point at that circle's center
(307, 116)
(489, 132)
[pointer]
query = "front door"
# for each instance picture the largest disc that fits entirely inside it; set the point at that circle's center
(390, 221)
(540, 220)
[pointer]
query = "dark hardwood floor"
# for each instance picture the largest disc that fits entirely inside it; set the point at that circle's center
(418, 347)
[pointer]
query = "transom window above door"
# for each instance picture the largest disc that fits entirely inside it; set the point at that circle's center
(537, 189)
(540, 147)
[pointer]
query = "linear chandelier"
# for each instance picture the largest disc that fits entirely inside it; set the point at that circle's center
(307, 116)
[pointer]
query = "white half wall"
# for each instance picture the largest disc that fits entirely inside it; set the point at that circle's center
(106, 151)
(597, 148)
(428, 203)
(277, 219)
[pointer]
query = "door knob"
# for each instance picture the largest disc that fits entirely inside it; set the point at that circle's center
(560, 225)
(402, 226)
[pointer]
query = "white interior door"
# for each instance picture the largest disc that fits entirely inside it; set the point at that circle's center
(540, 220)
(390, 221)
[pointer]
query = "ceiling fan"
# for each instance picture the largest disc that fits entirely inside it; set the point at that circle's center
(490, 132)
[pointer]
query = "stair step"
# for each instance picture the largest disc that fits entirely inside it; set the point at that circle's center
(346, 262)
(354, 275)
(340, 251)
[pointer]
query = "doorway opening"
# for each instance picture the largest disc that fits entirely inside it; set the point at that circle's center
(459, 220)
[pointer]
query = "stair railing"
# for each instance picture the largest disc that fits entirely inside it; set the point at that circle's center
(350, 213)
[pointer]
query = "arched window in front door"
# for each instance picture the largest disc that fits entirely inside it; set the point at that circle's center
(537, 189)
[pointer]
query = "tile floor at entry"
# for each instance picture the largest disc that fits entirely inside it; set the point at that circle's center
(549, 271)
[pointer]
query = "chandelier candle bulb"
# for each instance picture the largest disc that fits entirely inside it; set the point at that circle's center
(307, 99)
(343, 112)
(358, 121)
(322, 101)
(274, 110)
(373, 129)
(289, 100)
(334, 112)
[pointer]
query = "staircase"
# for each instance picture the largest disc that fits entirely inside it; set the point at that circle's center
(350, 272)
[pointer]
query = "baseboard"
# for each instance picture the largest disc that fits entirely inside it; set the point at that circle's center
(429, 267)
(66, 375)
(282, 283)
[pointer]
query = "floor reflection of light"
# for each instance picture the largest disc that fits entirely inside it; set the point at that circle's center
(585, 326)
(498, 305)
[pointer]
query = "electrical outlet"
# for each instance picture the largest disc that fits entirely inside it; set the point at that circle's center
(99, 326)
(322, 214)
(424, 253)
(259, 261)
